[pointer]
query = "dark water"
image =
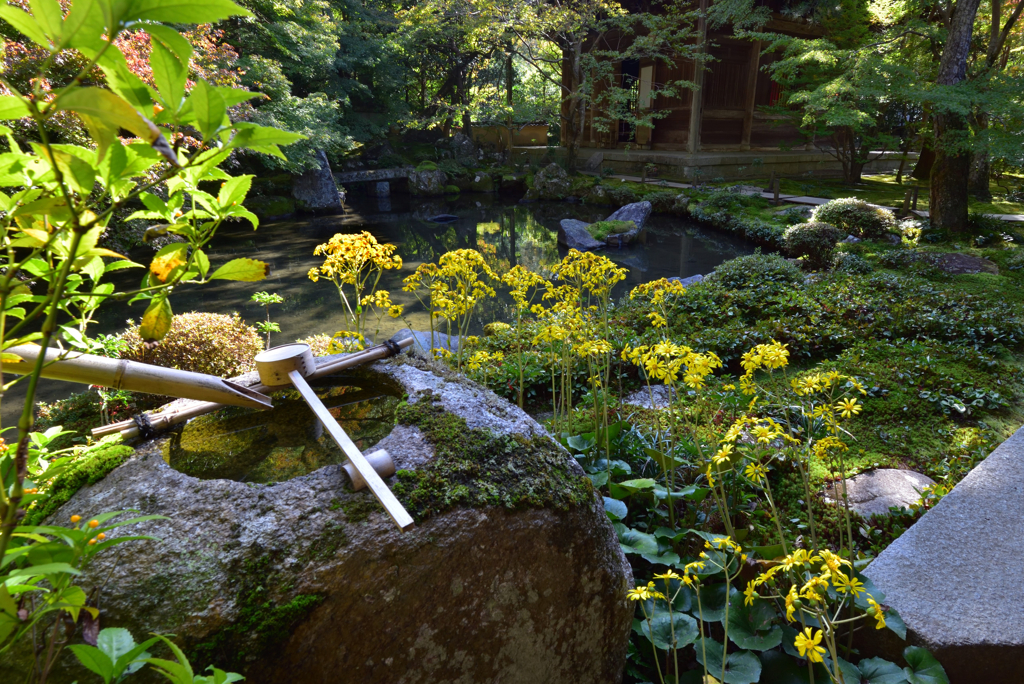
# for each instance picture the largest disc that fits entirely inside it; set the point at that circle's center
(287, 441)
(506, 233)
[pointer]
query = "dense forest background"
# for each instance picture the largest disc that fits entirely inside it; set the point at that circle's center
(938, 77)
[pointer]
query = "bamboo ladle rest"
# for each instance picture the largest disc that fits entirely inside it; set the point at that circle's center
(292, 364)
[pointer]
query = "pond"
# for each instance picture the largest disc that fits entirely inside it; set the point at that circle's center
(506, 233)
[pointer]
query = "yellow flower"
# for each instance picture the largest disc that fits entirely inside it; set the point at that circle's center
(848, 407)
(670, 575)
(791, 598)
(808, 645)
(876, 612)
(846, 584)
(723, 454)
(756, 472)
(750, 593)
(395, 311)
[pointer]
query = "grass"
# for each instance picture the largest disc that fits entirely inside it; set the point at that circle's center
(883, 189)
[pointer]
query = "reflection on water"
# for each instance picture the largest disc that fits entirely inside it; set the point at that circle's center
(507, 234)
(249, 445)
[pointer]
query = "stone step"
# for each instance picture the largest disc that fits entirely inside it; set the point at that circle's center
(955, 576)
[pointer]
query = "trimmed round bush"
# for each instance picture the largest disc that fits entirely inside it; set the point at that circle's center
(856, 217)
(216, 344)
(757, 271)
(816, 242)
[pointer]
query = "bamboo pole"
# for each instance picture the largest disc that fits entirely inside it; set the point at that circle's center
(132, 375)
(129, 429)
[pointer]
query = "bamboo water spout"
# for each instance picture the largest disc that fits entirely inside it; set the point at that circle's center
(292, 364)
(157, 421)
(132, 375)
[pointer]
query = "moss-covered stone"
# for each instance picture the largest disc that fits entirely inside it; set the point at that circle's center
(602, 229)
(358, 507)
(260, 625)
(92, 466)
(475, 467)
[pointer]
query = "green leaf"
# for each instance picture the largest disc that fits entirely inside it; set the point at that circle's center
(156, 321)
(95, 660)
(233, 191)
(84, 25)
(615, 509)
(172, 40)
(647, 547)
(201, 261)
(741, 667)
(209, 109)
(169, 75)
(186, 11)
(45, 569)
(752, 628)
(663, 628)
(12, 107)
(115, 642)
(245, 270)
(880, 671)
(923, 667)
(263, 139)
(712, 602)
(103, 113)
(895, 623)
(25, 23)
(49, 17)
(778, 668)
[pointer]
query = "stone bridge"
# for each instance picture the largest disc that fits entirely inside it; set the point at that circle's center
(371, 175)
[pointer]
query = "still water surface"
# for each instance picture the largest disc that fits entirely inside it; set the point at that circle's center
(506, 233)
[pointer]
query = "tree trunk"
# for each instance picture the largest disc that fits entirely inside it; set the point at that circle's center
(948, 193)
(855, 170)
(573, 105)
(510, 74)
(977, 182)
(925, 161)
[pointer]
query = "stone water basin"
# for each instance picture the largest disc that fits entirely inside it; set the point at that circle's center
(249, 445)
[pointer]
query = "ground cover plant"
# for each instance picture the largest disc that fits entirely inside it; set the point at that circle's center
(773, 385)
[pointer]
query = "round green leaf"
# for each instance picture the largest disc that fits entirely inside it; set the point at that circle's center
(671, 631)
(881, 671)
(615, 509)
(924, 668)
(712, 602)
(751, 627)
(741, 667)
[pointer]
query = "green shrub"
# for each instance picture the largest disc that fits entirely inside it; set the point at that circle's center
(452, 168)
(662, 201)
(602, 229)
(816, 242)
(451, 190)
(754, 271)
(426, 166)
(856, 217)
(216, 344)
(621, 194)
(318, 344)
(852, 264)
(391, 160)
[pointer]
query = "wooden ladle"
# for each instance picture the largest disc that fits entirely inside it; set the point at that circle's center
(290, 364)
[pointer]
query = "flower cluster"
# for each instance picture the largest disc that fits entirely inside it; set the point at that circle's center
(665, 361)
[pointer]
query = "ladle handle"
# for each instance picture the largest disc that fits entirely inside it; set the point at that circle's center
(376, 485)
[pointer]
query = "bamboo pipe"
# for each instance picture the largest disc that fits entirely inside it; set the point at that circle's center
(132, 375)
(129, 429)
(292, 363)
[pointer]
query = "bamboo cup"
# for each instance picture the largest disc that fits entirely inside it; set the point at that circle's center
(291, 363)
(129, 429)
(131, 375)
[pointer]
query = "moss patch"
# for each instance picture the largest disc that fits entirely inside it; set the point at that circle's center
(602, 229)
(262, 623)
(358, 508)
(92, 466)
(475, 467)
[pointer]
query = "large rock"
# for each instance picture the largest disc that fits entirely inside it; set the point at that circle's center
(427, 183)
(421, 340)
(637, 212)
(271, 207)
(876, 491)
(574, 235)
(315, 190)
(955, 575)
(464, 149)
(512, 573)
(550, 183)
